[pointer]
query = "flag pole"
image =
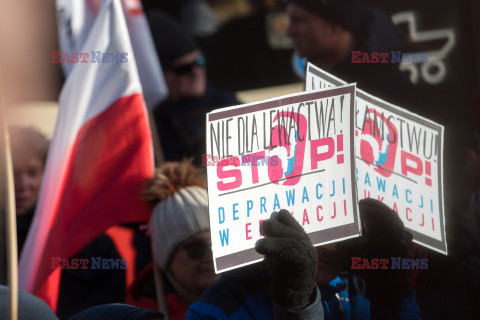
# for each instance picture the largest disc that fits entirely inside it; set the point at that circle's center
(157, 273)
(11, 227)
(157, 145)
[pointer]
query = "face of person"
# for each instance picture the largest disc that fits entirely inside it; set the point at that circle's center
(311, 35)
(186, 78)
(192, 264)
(330, 261)
(28, 173)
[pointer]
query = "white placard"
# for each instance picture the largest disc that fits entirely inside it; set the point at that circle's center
(399, 161)
(293, 152)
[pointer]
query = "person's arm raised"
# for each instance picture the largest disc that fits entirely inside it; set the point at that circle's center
(293, 260)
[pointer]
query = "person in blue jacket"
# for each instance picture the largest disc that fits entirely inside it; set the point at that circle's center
(299, 281)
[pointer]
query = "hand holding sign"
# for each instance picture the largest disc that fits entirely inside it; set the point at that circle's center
(384, 237)
(399, 161)
(291, 257)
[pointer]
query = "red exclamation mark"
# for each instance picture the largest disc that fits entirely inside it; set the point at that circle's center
(428, 172)
(340, 148)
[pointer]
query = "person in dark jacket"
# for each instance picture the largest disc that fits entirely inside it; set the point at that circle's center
(450, 287)
(304, 282)
(180, 120)
(328, 32)
(84, 288)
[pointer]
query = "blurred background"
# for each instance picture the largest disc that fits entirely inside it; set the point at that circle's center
(248, 52)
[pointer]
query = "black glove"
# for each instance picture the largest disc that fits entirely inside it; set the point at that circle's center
(384, 236)
(291, 257)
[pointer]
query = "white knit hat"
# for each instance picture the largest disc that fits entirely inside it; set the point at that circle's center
(177, 218)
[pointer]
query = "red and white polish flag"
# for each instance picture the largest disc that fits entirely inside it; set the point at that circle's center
(100, 154)
(75, 19)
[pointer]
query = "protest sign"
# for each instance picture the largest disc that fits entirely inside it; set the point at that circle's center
(292, 152)
(399, 161)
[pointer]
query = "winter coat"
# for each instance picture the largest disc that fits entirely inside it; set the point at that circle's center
(181, 124)
(244, 294)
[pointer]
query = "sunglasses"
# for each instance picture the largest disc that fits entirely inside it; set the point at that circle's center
(188, 68)
(197, 249)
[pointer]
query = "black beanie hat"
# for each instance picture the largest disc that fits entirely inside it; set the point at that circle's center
(342, 12)
(117, 311)
(171, 39)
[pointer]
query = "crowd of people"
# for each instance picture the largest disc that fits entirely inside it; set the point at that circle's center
(176, 279)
